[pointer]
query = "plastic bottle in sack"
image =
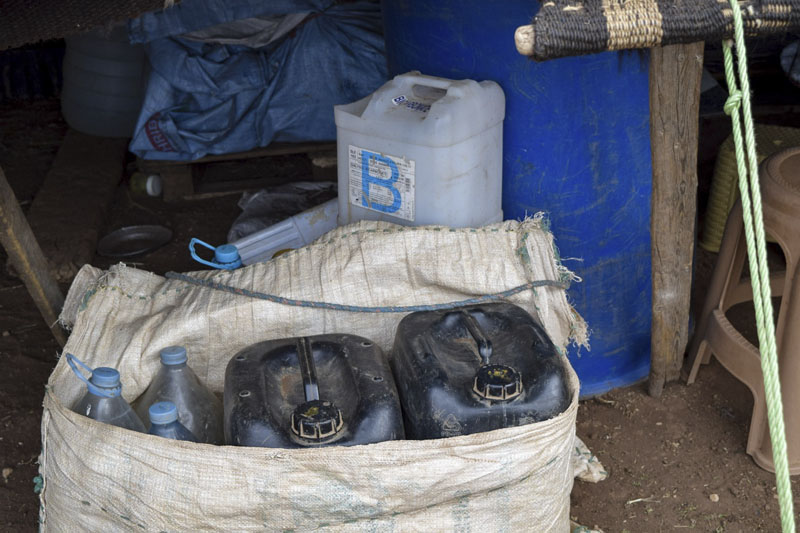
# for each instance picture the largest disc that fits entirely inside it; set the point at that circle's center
(103, 400)
(198, 409)
(164, 422)
(294, 232)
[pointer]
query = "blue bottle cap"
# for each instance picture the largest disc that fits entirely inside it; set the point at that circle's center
(173, 355)
(105, 377)
(226, 253)
(163, 413)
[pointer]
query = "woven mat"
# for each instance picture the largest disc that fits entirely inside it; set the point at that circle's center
(30, 21)
(574, 27)
(724, 183)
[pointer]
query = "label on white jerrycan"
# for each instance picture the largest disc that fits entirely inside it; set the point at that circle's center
(381, 182)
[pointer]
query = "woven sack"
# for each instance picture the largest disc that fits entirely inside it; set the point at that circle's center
(103, 478)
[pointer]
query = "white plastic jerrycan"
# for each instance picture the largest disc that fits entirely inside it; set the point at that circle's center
(422, 150)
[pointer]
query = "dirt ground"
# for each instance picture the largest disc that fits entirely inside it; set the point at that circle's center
(666, 457)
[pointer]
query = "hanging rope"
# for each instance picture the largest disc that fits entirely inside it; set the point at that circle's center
(738, 107)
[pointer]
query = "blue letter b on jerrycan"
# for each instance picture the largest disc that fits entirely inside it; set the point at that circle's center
(368, 179)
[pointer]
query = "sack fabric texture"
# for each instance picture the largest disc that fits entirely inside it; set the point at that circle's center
(103, 478)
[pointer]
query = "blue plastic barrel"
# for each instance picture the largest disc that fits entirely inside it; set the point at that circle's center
(576, 145)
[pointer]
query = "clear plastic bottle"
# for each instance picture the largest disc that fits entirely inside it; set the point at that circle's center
(103, 400)
(198, 409)
(164, 423)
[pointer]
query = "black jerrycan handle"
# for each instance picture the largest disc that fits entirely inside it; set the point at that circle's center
(483, 342)
(493, 382)
(314, 421)
(308, 371)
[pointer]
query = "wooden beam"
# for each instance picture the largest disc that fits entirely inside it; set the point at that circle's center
(28, 260)
(273, 150)
(675, 73)
(180, 177)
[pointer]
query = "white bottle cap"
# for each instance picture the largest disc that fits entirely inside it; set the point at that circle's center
(153, 185)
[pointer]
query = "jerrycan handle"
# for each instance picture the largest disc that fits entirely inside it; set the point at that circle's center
(94, 389)
(308, 371)
(227, 252)
(314, 420)
(492, 382)
(483, 342)
(416, 78)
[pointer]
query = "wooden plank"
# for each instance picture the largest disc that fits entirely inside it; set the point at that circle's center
(69, 210)
(179, 177)
(28, 260)
(273, 149)
(675, 73)
(177, 181)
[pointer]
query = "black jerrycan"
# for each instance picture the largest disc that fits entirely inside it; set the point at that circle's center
(311, 391)
(476, 368)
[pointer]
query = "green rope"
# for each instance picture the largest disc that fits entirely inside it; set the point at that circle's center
(757, 253)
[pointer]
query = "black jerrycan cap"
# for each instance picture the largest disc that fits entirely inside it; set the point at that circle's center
(317, 421)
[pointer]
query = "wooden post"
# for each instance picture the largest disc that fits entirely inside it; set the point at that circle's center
(675, 73)
(27, 258)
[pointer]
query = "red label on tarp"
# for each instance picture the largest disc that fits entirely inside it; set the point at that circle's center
(157, 137)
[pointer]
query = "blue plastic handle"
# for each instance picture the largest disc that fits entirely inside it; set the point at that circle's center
(94, 389)
(225, 266)
(199, 259)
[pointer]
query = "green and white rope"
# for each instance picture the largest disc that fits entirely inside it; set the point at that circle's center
(750, 192)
